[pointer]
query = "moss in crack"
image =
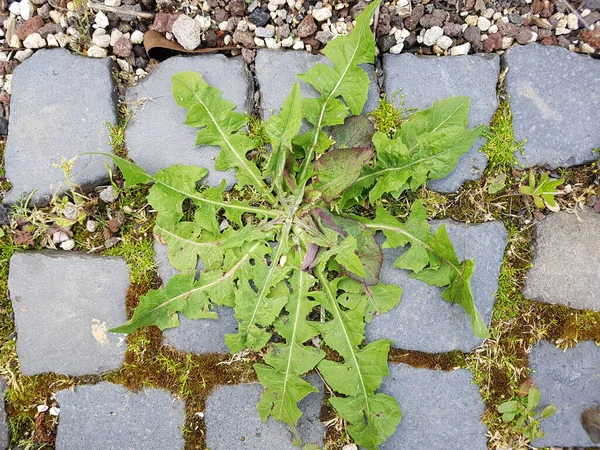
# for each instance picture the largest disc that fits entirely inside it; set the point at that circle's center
(501, 144)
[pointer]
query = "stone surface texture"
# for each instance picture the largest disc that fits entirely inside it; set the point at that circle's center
(64, 103)
(277, 71)
(566, 261)
(4, 438)
(423, 320)
(232, 422)
(108, 416)
(440, 410)
(156, 136)
(424, 80)
(195, 336)
(570, 381)
(554, 97)
(64, 303)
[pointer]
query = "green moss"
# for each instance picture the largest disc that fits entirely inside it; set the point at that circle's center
(501, 145)
(387, 118)
(139, 255)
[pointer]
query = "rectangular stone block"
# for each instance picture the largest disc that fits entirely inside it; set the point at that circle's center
(423, 320)
(64, 303)
(569, 380)
(61, 105)
(554, 96)
(423, 80)
(440, 410)
(156, 136)
(108, 416)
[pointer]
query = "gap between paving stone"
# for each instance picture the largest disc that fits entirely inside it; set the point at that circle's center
(156, 136)
(569, 380)
(428, 322)
(423, 80)
(225, 430)
(63, 304)
(4, 437)
(440, 410)
(566, 260)
(554, 97)
(108, 416)
(195, 336)
(61, 106)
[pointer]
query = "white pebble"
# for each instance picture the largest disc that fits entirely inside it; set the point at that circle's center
(101, 20)
(321, 14)
(91, 225)
(137, 37)
(204, 22)
(272, 43)
(63, 39)
(15, 8)
(34, 40)
(461, 49)
(432, 35)
(114, 3)
(227, 39)
(444, 42)
(115, 35)
(471, 20)
(124, 65)
(102, 40)
(586, 12)
(396, 49)
(26, 9)
(259, 42)
(97, 52)
(298, 45)
(54, 15)
(483, 23)
(493, 29)
(507, 42)
(22, 55)
(68, 245)
(572, 21)
(287, 42)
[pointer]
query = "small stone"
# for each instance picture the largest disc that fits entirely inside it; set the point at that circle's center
(187, 32)
(49, 28)
(243, 37)
(59, 237)
(432, 35)
(68, 245)
(25, 9)
(272, 43)
(101, 20)
(515, 18)
(97, 52)
(283, 31)
(298, 45)
(102, 40)
(471, 21)
(473, 35)
(91, 225)
(108, 195)
(30, 26)
(264, 32)
(15, 8)
(461, 49)
(63, 39)
(385, 43)
(324, 36)
(321, 14)
(572, 22)
(123, 47)
(452, 29)
(493, 29)
(350, 447)
(137, 37)
(444, 42)
(114, 3)
(54, 15)
(34, 40)
(307, 27)
(523, 36)
(483, 23)
(403, 8)
(22, 55)
(163, 22)
(259, 17)
(115, 35)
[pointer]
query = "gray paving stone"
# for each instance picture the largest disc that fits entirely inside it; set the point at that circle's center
(276, 72)
(60, 106)
(156, 136)
(570, 381)
(554, 96)
(423, 320)
(4, 439)
(63, 305)
(195, 336)
(440, 410)
(566, 261)
(423, 80)
(232, 422)
(108, 416)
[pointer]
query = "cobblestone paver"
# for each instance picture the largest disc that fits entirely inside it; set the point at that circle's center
(440, 410)
(3, 423)
(566, 260)
(195, 336)
(63, 316)
(429, 323)
(569, 380)
(277, 71)
(554, 97)
(421, 81)
(109, 416)
(65, 103)
(232, 422)
(156, 136)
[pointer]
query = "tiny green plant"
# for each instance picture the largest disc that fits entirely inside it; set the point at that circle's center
(293, 262)
(522, 412)
(543, 193)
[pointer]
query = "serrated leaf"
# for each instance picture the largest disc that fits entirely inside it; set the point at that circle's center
(337, 169)
(282, 128)
(356, 131)
(219, 125)
(382, 298)
(284, 387)
(432, 259)
(427, 147)
(373, 416)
